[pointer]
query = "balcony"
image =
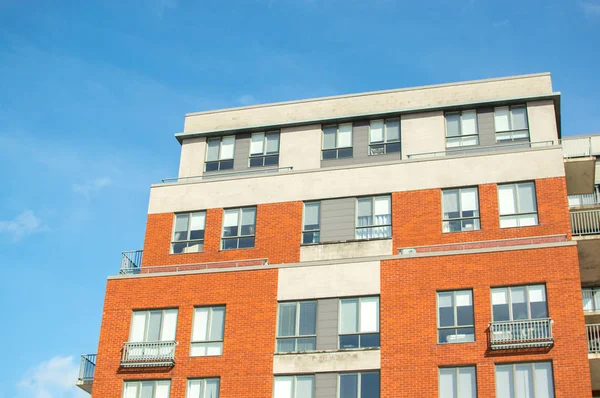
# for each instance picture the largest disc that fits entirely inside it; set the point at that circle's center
(129, 267)
(577, 147)
(585, 200)
(585, 222)
(131, 261)
(86, 372)
(227, 175)
(148, 354)
(478, 149)
(530, 333)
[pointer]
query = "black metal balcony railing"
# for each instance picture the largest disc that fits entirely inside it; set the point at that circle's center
(593, 338)
(586, 222)
(153, 353)
(521, 334)
(131, 261)
(87, 368)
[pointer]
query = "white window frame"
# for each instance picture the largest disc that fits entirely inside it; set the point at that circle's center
(374, 147)
(239, 235)
(518, 215)
(316, 233)
(533, 380)
(294, 379)
(476, 219)
(221, 162)
(297, 334)
(460, 138)
(358, 333)
(139, 384)
(204, 382)
(358, 382)
(188, 241)
(147, 313)
(510, 303)
(456, 326)
(337, 147)
(511, 129)
(264, 156)
(457, 384)
(209, 318)
(371, 227)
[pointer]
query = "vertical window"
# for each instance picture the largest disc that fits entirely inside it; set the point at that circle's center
(337, 141)
(455, 316)
(147, 389)
(297, 326)
(519, 303)
(203, 388)
(459, 382)
(461, 129)
(359, 322)
(525, 380)
(239, 228)
(460, 209)
(311, 224)
(591, 299)
(219, 153)
(264, 149)
(207, 331)
(517, 205)
(384, 136)
(359, 385)
(374, 217)
(188, 233)
(153, 325)
(511, 123)
(294, 386)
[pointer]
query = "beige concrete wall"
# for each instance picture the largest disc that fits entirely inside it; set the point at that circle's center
(191, 163)
(339, 361)
(542, 121)
(368, 103)
(422, 133)
(335, 280)
(371, 179)
(300, 147)
(335, 251)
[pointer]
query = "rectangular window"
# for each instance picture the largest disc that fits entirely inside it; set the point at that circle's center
(591, 299)
(359, 385)
(517, 205)
(459, 382)
(219, 153)
(527, 380)
(207, 331)
(294, 386)
(374, 217)
(456, 322)
(153, 325)
(519, 303)
(203, 388)
(297, 326)
(337, 141)
(359, 322)
(239, 228)
(147, 389)
(188, 232)
(311, 224)
(461, 129)
(460, 210)
(511, 123)
(264, 149)
(384, 136)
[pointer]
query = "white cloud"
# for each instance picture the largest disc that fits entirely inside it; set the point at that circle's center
(54, 378)
(89, 187)
(246, 99)
(591, 8)
(22, 225)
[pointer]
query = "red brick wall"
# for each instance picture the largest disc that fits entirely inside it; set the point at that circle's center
(246, 366)
(410, 355)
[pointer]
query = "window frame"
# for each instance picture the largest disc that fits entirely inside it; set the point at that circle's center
(460, 129)
(595, 298)
(209, 319)
(359, 334)
(372, 226)
(513, 374)
(294, 383)
(188, 232)
(337, 148)
(140, 382)
(239, 236)
(456, 326)
(456, 392)
(222, 164)
(517, 205)
(203, 388)
(386, 142)
(265, 156)
(147, 323)
(358, 381)
(511, 125)
(297, 334)
(476, 220)
(315, 233)
(527, 301)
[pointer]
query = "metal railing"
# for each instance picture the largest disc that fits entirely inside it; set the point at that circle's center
(581, 146)
(585, 222)
(521, 334)
(87, 367)
(216, 175)
(591, 299)
(131, 261)
(481, 149)
(154, 353)
(195, 267)
(593, 338)
(588, 199)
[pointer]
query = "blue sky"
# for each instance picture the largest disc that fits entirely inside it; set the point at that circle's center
(92, 92)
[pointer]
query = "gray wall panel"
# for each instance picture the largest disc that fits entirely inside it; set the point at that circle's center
(326, 385)
(327, 324)
(485, 126)
(242, 151)
(337, 219)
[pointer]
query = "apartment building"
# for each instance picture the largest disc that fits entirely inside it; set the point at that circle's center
(421, 242)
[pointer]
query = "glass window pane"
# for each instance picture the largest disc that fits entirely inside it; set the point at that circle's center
(519, 118)
(131, 389)
(365, 207)
(198, 221)
(153, 333)
(544, 383)
(464, 308)
(287, 319)
(506, 199)
(469, 123)
(248, 221)
(169, 325)
(349, 341)
(450, 203)
(329, 137)
(501, 119)
(283, 387)
(524, 380)
(468, 199)
(217, 323)
(227, 146)
(392, 130)
(369, 314)
(194, 389)
(256, 144)
(505, 385)
(147, 389)
(376, 131)
(348, 386)
(311, 215)
(349, 316)
(526, 197)
(212, 151)
(162, 389)
(181, 222)
(369, 340)
(452, 125)
(138, 326)
(308, 318)
(344, 135)
(466, 383)
(369, 385)
(306, 344)
(286, 345)
(304, 386)
(447, 383)
(230, 218)
(273, 143)
(212, 388)
(382, 206)
(199, 330)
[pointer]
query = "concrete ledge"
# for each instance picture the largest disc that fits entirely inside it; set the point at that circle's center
(341, 250)
(327, 361)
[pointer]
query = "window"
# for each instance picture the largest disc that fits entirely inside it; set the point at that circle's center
(460, 208)
(384, 136)
(294, 386)
(591, 299)
(153, 325)
(147, 389)
(297, 326)
(219, 153)
(203, 388)
(519, 303)
(373, 217)
(207, 331)
(337, 141)
(239, 227)
(311, 225)
(457, 382)
(359, 322)
(461, 129)
(188, 233)
(525, 380)
(517, 205)
(264, 149)
(511, 123)
(455, 316)
(359, 385)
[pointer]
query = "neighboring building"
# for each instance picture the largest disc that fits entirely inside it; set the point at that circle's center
(401, 243)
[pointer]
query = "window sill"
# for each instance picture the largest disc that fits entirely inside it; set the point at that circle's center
(519, 226)
(327, 351)
(457, 342)
(179, 254)
(458, 232)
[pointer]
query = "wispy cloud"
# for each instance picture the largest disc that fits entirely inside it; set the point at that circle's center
(89, 187)
(54, 378)
(246, 99)
(591, 8)
(22, 225)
